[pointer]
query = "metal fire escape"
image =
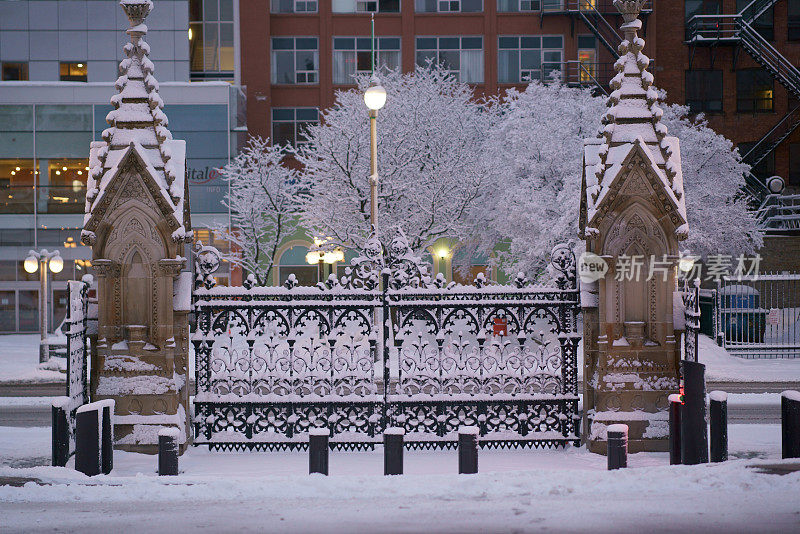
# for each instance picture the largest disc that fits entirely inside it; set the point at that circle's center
(594, 14)
(777, 212)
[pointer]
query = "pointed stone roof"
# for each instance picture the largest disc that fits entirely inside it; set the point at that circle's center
(632, 120)
(138, 123)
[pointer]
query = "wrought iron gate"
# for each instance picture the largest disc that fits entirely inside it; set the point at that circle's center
(274, 362)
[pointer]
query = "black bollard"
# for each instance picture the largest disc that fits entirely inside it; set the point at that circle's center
(694, 432)
(168, 451)
(617, 446)
(718, 417)
(318, 450)
(468, 450)
(60, 429)
(393, 451)
(107, 445)
(790, 424)
(674, 429)
(87, 440)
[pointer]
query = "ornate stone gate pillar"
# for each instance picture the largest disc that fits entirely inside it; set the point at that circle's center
(632, 216)
(137, 222)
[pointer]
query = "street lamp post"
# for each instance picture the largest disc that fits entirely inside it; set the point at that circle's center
(31, 264)
(374, 98)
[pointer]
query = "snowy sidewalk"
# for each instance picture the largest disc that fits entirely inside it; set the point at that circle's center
(516, 490)
(19, 362)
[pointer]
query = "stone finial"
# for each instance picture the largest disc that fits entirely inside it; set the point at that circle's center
(629, 9)
(136, 10)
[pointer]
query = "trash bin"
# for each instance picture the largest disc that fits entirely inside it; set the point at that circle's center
(742, 318)
(707, 312)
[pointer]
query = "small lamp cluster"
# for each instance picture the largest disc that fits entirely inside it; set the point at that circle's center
(31, 263)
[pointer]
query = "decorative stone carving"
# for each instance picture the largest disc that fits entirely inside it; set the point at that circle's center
(632, 206)
(137, 223)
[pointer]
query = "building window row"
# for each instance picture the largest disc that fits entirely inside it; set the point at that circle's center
(754, 91)
(295, 60)
(393, 6)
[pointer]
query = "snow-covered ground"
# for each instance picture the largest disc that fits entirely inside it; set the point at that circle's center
(722, 367)
(19, 361)
(521, 490)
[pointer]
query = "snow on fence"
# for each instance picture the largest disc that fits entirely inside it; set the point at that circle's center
(758, 316)
(386, 346)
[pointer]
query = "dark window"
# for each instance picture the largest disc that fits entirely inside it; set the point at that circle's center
(700, 7)
(294, 6)
(794, 164)
(704, 91)
(754, 91)
(765, 168)
(15, 72)
(763, 24)
(289, 124)
(448, 6)
(73, 72)
(513, 6)
(794, 20)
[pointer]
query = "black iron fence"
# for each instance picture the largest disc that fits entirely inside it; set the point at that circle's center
(386, 346)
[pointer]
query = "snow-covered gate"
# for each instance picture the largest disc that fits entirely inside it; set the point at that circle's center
(358, 356)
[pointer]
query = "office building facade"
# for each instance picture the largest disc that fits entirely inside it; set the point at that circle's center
(59, 63)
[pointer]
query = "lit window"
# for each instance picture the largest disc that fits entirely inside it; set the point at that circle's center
(211, 47)
(462, 56)
(754, 91)
(533, 57)
(289, 124)
(73, 72)
(353, 55)
(295, 60)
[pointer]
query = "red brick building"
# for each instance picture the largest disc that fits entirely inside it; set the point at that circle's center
(491, 43)
(731, 59)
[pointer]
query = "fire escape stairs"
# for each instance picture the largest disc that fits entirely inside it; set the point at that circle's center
(776, 212)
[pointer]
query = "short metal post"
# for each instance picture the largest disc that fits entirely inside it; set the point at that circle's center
(87, 441)
(468, 450)
(60, 432)
(393, 451)
(674, 429)
(107, 445)
(168, 451)
(694, 431)
(318, 450)
(718, 435)
(790, 424)
(617, 446)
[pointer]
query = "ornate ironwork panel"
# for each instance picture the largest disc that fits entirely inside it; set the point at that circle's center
(383, 346)
(691, 302)
(77, 349)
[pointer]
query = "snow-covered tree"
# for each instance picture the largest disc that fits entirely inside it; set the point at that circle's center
(536, 146)
(263, 203)
(430, 162)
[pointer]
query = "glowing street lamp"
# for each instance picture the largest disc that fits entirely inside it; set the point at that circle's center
(55, 263)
